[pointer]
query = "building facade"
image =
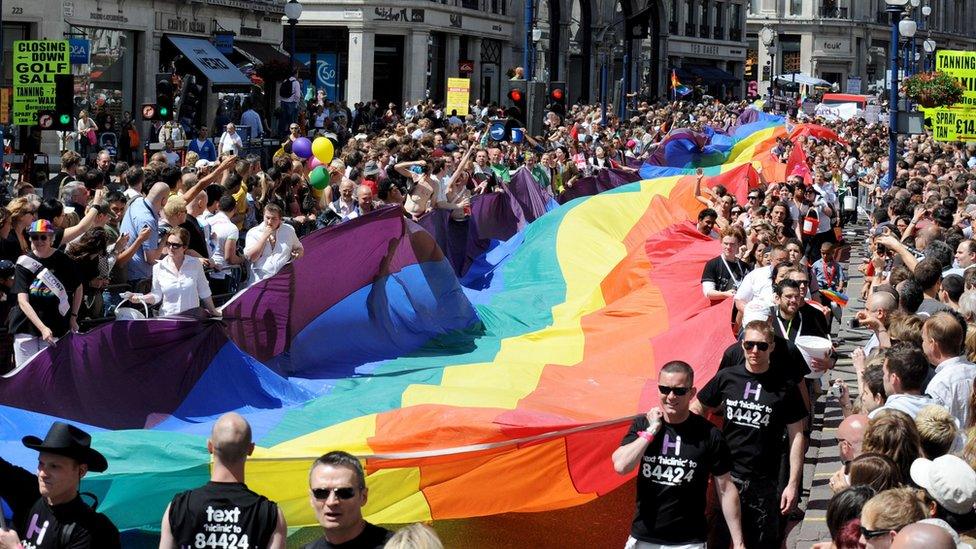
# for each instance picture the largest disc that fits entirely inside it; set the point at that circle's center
(129, 43)
(637, 44)
(404, 50)
(847, 42)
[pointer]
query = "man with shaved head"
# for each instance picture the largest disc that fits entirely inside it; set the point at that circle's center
(921, 534)
(223, 512)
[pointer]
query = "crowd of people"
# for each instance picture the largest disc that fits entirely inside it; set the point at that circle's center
(907, 440)
(187, 231)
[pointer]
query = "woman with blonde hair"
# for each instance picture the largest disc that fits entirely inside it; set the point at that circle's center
(23, 212)
(884, 515)
(415, 536)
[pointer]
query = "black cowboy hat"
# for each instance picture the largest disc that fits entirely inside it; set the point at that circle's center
(69, 441)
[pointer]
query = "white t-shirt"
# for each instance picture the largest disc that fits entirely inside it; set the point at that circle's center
(272, 259)
(222, 229)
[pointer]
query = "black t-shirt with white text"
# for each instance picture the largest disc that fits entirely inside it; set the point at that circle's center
(727, 275)
(672, 480)
(758, 407)
(372, 537)
(223, 515)
(72, 525)
(785, 358)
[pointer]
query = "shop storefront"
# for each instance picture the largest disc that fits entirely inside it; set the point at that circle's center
(403, 54)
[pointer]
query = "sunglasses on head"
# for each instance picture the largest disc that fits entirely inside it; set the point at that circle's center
(678, 391)
(41, 237)
(761, 345)
(342, 493)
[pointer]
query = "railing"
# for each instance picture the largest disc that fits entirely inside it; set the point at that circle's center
(704, 31)
(833, 12)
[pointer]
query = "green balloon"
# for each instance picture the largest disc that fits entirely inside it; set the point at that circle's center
(319, 178)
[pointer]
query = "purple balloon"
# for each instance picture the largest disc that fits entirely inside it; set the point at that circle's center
(302, 147)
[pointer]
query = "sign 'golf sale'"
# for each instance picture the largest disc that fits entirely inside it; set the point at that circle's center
(36, 62)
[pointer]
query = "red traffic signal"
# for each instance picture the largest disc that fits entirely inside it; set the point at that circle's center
(558, 95)
(515, 95)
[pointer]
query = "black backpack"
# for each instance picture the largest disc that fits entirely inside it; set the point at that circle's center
(284, 90)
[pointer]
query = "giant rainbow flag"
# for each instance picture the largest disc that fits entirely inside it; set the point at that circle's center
(507, 393)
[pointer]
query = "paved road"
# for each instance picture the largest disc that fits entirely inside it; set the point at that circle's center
(822, 459)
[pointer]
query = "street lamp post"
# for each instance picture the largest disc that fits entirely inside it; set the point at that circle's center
(895, 9)
(929, 47)
(768, 37)
(293, 10)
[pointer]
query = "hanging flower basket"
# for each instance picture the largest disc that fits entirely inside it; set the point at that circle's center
(932, 89)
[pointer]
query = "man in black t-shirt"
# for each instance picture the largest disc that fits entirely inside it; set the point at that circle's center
(792, 316)
(223, 512)
(759, 403)
(59, 518)
(723, 274)
(676, 451)
(337, 485)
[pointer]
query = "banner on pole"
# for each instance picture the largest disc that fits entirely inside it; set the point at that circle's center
(458, 96)
(960, 65)
(36, 62)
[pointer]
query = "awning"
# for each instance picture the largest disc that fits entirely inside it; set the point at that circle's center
(713, 75)
(208, 60)
(260, 53)
(801, 78)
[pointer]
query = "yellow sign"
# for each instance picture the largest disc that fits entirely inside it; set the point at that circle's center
(953, 124)
(960, 65)
(458, 96)
(35, 64)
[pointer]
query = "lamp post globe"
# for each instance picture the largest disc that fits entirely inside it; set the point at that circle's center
(293, 11)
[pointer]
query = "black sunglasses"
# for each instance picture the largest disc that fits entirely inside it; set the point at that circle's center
(41, 237)
(342, 493)
(871, 534)
(175, 244)
(678, 391)
(761, 345)
(753, 198)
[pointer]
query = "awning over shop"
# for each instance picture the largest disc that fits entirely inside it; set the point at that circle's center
(801, 78)
(260, 53)
(692, 74)
(713, 75)
(208, 60)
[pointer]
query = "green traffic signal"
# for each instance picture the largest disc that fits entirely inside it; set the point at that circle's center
(163, 111)
(65, 119)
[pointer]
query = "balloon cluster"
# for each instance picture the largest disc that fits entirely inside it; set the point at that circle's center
(321, 151)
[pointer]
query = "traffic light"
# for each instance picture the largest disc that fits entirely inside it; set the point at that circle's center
(557, 98)
(164, 97)
(60, 118)
(190, 101)
(518, 100)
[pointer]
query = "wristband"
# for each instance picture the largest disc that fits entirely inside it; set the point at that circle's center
(649, 437)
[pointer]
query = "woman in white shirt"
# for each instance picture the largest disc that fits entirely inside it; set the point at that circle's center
(230, 141)
(178, 280)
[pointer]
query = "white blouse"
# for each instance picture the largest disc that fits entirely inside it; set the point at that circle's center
(179, 289)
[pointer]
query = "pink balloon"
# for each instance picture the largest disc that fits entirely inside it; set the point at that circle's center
(314, 163)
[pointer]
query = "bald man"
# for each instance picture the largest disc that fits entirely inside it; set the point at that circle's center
(850, 435)
(224, 508)
(880, 305)
(925, 535)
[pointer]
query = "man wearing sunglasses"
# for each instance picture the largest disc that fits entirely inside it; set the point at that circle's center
(224, 508)
(759, 403)
(337, 486)
(676, 451)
